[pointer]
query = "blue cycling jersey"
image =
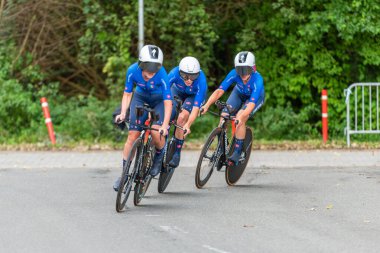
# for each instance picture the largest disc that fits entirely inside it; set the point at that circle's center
(253, 89)
(197, 88)
(156, 85)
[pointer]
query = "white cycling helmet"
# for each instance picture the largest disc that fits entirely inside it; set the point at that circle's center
(244, 63)
(151, 58)
(189, 68)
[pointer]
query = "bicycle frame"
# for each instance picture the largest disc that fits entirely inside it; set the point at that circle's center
(223, 148)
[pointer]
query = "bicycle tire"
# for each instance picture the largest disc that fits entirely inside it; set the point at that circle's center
(234, 172)
(200, 182)
(127, 178)
(167, 173)
(141, 188)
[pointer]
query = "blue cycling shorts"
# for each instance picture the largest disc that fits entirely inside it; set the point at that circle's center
(154, 101)
(239, 101)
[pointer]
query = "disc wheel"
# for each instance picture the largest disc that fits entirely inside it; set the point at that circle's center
(234, 172)
(208, 158)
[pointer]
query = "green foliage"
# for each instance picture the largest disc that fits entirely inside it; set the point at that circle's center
(301, 47)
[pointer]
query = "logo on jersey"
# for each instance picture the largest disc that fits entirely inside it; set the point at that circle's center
(243, 57)
(153, 51)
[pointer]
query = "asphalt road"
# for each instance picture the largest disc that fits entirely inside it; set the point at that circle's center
(299, 201)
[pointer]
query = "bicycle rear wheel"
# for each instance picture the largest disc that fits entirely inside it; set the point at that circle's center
(128, 177)
(208, 159)
(166, 175)
(142, 185)
(234, 172)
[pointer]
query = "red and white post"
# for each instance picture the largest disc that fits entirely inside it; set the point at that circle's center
(48, 122)
(324, 116)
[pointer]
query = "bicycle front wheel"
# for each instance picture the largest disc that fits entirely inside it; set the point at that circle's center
(234, 172)
(128, 175)
(208, 159)
(167, 173)
(143, 184)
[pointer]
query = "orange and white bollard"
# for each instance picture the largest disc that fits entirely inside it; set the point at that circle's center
(48, 122)
(324, 116)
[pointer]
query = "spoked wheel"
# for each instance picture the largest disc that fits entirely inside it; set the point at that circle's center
(128, 176)
(208, 159)
(143, 183)
(167, 173)
(234, 172)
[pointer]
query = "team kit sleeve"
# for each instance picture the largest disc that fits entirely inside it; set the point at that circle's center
(173, 76)
(201, 94)
(129, 80)
(230, 79)
(166, 92)
(256, 94)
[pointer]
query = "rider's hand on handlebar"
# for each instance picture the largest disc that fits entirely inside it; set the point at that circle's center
(203, 110)
(240, 119)
(163, 130)
(120, 118)
(186, 130)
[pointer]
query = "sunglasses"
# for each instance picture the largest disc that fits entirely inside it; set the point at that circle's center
(187, 76)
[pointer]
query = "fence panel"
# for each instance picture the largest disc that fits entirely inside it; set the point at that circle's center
(363, 105)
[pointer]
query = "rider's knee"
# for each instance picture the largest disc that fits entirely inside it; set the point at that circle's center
(182, 119)
(132, 136)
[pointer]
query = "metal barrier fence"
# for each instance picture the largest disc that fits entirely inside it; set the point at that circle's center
(366, 108)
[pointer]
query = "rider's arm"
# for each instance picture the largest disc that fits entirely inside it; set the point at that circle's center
(167, 96)
(254, 97)
(193, 116)
(200, 97)
(125, 102)
(215, 96)
(168, 111)
(227, 82)
(127, 96)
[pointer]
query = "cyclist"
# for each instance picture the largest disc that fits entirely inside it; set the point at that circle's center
(246, 98)
(152, 87)
(188, 82)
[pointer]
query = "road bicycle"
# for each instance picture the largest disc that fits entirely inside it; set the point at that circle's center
(139, 162)
(215, 152)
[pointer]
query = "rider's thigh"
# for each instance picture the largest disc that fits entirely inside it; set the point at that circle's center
(234, 102)
(188, 103)
(134, 121)
(159, 110)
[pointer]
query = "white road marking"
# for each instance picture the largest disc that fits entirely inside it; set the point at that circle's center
(214, 249)
(173, 229)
